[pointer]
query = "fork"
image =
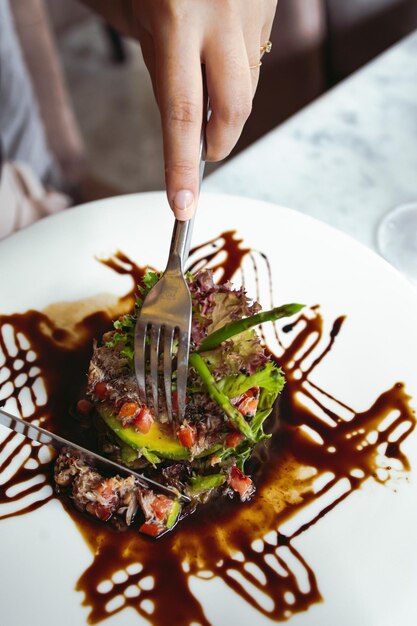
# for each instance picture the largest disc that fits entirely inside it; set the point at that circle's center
(166, 314)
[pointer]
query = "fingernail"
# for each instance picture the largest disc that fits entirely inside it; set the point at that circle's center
(183, 200)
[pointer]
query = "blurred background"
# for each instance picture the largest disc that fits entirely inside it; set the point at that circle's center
(95, 96)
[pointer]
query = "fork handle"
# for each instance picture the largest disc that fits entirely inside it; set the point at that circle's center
(180, 245)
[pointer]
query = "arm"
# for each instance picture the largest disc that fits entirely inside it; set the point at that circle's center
(177, 37)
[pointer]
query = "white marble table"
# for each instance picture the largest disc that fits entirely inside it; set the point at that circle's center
(347, 158)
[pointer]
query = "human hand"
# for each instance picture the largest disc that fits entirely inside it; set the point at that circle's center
(176, 37)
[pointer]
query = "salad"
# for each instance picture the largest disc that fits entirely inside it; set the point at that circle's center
(232, 386)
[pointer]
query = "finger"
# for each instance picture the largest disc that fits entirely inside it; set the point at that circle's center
(180, 94)
(254, 58)
(256, 55)
(229, 87)
(148, 53)
(268, 18)
(266, 32)
(252, 32)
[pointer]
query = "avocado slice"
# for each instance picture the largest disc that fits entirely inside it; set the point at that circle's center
(205, 483)
(155, 440)
(174, 514)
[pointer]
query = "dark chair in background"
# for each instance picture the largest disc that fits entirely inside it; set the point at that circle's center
(315, 45)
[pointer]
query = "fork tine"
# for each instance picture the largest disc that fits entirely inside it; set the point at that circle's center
(168, 337)
(155, 335)
(140, 359)
(182, 371)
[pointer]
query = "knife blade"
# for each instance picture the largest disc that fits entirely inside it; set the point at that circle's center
(42, 436)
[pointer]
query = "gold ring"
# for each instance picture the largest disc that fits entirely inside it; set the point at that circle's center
(265, 49)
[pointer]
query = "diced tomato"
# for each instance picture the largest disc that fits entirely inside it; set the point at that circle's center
(107, 493)
(153, 530)
(102, 512)
(187, 435)
(175, 401)
(161, 506)
(108, 500)
(144, 420)
(239, 482)
(84, 407)
(248, 404)
(101, 390)
(105, 489)
(128, 409)
(234, 438)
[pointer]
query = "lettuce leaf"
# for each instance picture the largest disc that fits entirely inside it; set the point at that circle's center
(270, 378)
(239, 325)
(271, 381)
(243, 352)
(125, 325)
(229, 307)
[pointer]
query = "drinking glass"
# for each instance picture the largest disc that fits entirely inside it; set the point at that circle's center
(397, 239)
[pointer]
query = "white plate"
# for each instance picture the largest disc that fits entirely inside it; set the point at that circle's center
(363, 552)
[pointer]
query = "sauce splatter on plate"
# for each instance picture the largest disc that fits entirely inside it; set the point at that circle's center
(320, 451)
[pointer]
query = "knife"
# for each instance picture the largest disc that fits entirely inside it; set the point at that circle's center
(42, 436)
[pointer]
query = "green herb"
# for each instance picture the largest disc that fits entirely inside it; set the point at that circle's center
(127, 454)
(271, 381)
(237, 419)
(269, 377)
(150, 279)
(125, 325)
(151, 457)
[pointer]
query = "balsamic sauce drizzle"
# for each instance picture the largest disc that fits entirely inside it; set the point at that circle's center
(43, 361)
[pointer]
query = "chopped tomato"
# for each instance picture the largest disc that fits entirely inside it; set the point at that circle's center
(106, 503)
(239, 482)
(234, 438)
(187, 435)
(106, 491)
(161, 506)
(129, 409)
(101, 390)
(248, 403)
(144, 420)
(175, 401)
(150, 529)
(102, 512)
(84, 407)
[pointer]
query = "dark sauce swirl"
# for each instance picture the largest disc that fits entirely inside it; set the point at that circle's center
(313, 435)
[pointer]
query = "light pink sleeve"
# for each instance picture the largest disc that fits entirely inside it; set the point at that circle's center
(24, 200)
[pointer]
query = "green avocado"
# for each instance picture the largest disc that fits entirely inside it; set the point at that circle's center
(155, 440)
(174, 515)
